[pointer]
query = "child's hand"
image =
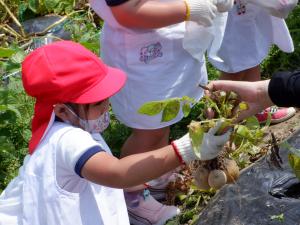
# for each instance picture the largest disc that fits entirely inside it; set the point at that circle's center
(209, 148)
(223, 5)
(202, 11)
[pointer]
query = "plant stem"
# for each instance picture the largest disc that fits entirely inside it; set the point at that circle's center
(14, 18)
(56, 23)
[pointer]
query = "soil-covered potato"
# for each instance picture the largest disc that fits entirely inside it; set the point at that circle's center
(217, 179)
(232, 170)
(201, 178)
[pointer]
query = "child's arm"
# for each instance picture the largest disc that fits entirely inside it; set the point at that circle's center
(129, 171)
(155, 14)
(137, 169)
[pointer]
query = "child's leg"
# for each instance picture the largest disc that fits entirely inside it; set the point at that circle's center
(145, 140)
(252, 74)
(142, 207)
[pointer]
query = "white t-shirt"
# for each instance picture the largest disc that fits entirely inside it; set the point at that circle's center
(49, 189)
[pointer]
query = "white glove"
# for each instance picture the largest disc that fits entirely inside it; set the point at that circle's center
(277, 8)
(210, 147)
(202, 11)
(223, 5)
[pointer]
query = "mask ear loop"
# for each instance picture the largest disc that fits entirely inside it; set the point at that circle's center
(82, 122)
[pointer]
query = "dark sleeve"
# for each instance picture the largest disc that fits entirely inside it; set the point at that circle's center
(284, 89)
(85, 157)
(114, 2)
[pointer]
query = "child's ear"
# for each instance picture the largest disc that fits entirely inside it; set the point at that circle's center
(61, 111)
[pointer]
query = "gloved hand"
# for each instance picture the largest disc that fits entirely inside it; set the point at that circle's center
(202, 11)
(277, 8)
(209, 148)
(223, 5)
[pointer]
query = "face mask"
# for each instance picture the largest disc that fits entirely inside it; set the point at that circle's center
(94, 126)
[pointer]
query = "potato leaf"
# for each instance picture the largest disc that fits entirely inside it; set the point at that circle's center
(151, 108)
(6, 52)
(243, 131)
(171, 110)
(243, 106)
(252, 123)
(186, 109)
(294, 161)
(196, 133)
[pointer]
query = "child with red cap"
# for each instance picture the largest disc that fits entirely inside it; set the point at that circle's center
(145, 39)
(70, 176)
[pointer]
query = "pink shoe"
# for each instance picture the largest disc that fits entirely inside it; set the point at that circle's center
(158, 187)
(150, 212)
(278, 115)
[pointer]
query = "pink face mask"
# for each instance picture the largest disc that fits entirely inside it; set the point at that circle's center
(94, 126)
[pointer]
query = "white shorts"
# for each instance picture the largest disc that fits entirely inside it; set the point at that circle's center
(248, 38)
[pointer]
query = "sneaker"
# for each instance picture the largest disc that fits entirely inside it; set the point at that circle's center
(278, 115)
(150, 212)
(158, 187)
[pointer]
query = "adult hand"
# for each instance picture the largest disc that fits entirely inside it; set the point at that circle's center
(254, 93)
(202, 11)
(209, 148)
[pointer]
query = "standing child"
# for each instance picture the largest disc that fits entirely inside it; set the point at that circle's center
(70, 176)
(250, 32)
(144, 38)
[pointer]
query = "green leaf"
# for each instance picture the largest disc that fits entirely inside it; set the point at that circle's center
(243, 106)
(51, 4)
(6, 52)
(182, 197)
(151, 108)
(15, 110)
(34, 6)
(243, 131)
(188, 99)
(171, 110)
(252, 123)
(277, 217)
(294, 161)
(196, 133)
(93, 46)
(186, 109)
(18, 57)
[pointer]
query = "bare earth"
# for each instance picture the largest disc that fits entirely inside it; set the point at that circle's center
(286, 129)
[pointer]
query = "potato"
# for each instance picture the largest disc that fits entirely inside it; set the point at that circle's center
(232, 170)
(217, 179)
(201, 178)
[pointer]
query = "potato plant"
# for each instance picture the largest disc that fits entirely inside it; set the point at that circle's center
(223, 106)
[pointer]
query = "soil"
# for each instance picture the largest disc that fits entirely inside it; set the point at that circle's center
(285, 129)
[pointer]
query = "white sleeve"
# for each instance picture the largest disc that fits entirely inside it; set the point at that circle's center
(74, 148)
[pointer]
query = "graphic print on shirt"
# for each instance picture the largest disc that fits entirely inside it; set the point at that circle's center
(240, 7)
(151, 52)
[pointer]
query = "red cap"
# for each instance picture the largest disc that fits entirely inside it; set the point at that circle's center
(62, 72)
